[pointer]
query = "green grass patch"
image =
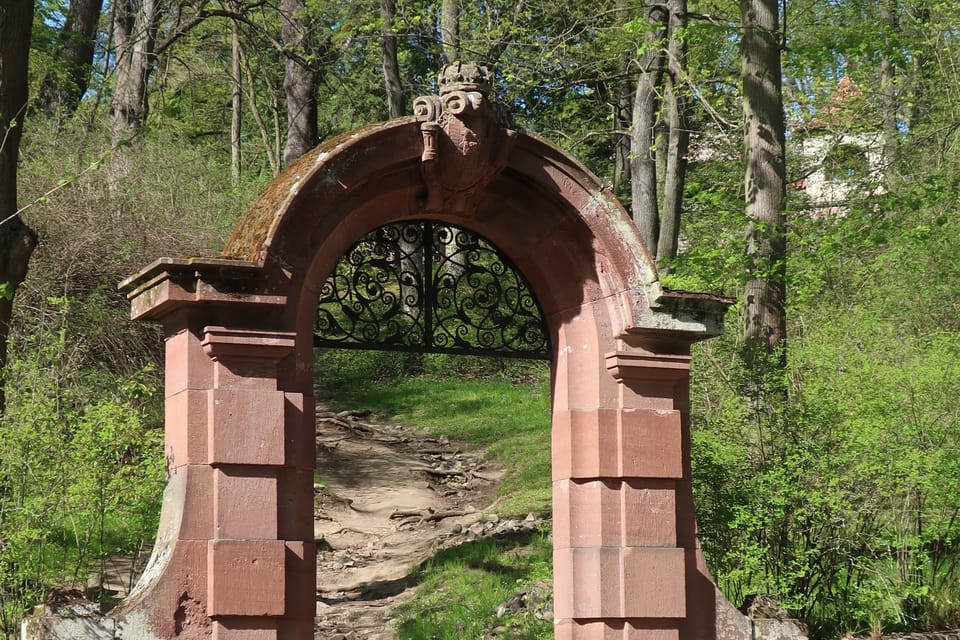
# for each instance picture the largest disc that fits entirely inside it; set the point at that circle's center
(499, 407)
(462, 588)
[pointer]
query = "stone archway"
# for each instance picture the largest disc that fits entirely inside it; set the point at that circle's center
(235, 557)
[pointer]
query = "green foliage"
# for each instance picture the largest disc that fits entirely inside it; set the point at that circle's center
(838, 496)
(80, 467)
(713, 209)
(846, 162)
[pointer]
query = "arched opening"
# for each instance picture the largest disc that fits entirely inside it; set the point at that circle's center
(430, 322)
(430, 287)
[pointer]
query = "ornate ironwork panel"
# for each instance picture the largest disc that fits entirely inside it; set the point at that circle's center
(426, 286)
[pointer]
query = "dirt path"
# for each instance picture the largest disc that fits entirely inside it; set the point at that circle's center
(386, 501)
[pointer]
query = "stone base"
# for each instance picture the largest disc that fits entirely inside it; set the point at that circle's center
(75, 620)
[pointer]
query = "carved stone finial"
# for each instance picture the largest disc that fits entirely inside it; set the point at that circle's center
(466, 138)
(465, 76)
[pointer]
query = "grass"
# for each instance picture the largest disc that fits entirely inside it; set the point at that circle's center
(463, 587)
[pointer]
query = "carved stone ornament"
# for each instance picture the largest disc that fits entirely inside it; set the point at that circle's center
(466, 138)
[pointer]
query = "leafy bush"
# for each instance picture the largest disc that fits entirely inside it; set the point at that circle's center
(80, 471)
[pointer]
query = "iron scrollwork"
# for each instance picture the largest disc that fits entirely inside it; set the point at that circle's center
(425, 286)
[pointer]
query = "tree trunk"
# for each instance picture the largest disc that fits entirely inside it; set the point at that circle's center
(765, 175)
(300, 81)
(676, 174)
(62, 90)
(271, 146)
(888, 90)
(643, 166)
(391, 66)
(677, 117)
(622, 117)
(17, 240)
(236, 103)
(134, 33)
(923, 71)
(622, 120)
(450, 30)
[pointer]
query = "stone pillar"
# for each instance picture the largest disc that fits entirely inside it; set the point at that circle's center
(235, 557)
(257, 555)
(622, 548)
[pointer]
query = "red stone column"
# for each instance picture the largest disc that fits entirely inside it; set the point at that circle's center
(260, 557)
(235, 557)
(620, 557)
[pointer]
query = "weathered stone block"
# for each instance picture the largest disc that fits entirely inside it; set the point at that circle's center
(585, 444)
(650, 444)
(246, 577)
(186, 428)
(299, 427)
(632, 631)
(186, 365)
(246, 427)
(587, 583)
(654, 584)
(589, 630)
(586, 514)
(246, 503)
(295, 508)
(649, 515)
(301, 583)
(245, 629)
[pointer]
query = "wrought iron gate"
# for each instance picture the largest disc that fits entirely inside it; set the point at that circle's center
(426, 286)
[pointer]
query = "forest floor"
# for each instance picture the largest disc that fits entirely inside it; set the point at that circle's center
(387, 499)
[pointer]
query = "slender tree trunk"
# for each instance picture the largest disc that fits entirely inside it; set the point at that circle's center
(676, 175)
(643, 166)
(276, 109)
(923, 69)
(622, 117)
(391, 66)
(765, 175)
(17, 240)
(450, 30)
(888, 90)
(62, 90)
(300, 81)
(134, 31)
(271, 147)
(622, 121)
(105, 71)
(236, 103)
(677, 117)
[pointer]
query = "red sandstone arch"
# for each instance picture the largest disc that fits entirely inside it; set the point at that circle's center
(235, 557)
